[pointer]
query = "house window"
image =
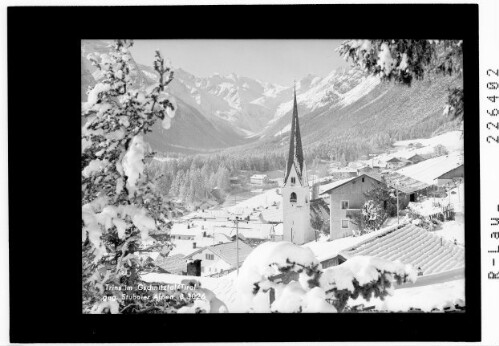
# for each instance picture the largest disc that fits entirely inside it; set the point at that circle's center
(210, 256)
(363, 179)
(344, 223)
(293, 180)
(345, 204)
(293, 197)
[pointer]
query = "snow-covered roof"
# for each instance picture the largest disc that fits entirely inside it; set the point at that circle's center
(259, 176)
(343, 170)
(324, 249)
(228, 252)
(394, 159)
(172, 264)
(411, 245)
(254, 230)
(404, 183)
(327, 187)
(429, 170)
(181, 229)
(185, 247)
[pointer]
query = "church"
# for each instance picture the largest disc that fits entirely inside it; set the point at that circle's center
(295, 191)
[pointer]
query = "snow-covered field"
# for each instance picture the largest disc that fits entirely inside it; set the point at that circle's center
(451, 140)
(260, 201)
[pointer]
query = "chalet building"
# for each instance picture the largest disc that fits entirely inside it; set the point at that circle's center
(416, 159)
(449, 176)
(437, 171)
(175, 264)
(396, 163)
(346, 198)
(409, 189)
(296, 191)
(221, 257)
(259, 179)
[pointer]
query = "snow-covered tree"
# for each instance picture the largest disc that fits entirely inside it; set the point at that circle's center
(119, 204)
(373, 214)
(440, 150)
(298, 284)
(406, 60)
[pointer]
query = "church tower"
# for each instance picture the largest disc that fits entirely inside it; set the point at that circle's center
(296, 192)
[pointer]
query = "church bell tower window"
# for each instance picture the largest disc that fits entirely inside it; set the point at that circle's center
(293, 198)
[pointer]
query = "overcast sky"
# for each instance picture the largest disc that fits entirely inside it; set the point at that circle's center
(275, 61)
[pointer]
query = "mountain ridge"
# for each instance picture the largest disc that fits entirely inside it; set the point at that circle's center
(219, 112)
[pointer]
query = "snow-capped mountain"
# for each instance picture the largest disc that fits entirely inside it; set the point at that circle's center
(218, 111)
(246, 104)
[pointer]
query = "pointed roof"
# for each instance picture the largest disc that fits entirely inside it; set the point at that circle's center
(295, 156)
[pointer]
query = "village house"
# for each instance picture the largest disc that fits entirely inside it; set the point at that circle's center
(436, 171)
(396, 163)
(221, 257)
(409, 189)
(175, 264)
(451, 175)
(346, 198)
(259, 179)
(416, 159)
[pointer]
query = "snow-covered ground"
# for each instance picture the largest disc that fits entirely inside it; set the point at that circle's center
(260, 201)
(452, 230)
(402, 299)
(425, 298)
(452, 141)
(223, 287)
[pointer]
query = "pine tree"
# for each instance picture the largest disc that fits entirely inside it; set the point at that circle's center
(406, 60)
(119, 204)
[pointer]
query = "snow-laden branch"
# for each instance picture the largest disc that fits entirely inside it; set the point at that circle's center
(299, 285)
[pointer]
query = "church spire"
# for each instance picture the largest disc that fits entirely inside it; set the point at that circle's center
(295, 156)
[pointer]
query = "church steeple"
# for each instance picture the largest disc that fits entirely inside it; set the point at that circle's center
(295, 157)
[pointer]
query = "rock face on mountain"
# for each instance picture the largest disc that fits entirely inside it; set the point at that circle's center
(217, 112)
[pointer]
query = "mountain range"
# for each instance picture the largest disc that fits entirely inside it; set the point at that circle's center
(218, 112)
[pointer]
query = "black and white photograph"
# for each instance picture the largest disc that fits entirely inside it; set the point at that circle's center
(272, 176)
